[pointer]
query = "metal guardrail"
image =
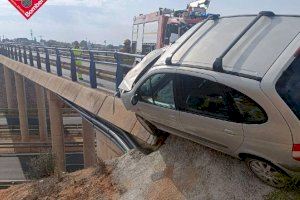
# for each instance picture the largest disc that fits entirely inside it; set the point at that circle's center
(116, 135)
(4, 184)
(16, 145)
(122, 62)
(75, 61)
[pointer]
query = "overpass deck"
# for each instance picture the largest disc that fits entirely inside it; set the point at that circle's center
(98, 101)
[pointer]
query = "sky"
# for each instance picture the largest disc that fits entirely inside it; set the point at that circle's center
(111, 20)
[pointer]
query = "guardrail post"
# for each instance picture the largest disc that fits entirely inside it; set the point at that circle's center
(31, 57)
(58, 63)
(47, 61)
(25, 55)
(73, 66)
(11, 52)
(93, 76)
(12, 56)
(20, 54)
(38, 58)
(119, 72)
(16, 53)
(3, 50)
(7, 51)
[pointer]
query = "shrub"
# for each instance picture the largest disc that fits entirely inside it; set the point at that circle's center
(41, 166)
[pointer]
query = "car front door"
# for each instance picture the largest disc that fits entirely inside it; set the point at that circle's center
(156, 101)
(207, 113)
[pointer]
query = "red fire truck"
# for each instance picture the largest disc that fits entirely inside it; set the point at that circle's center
(158, 29)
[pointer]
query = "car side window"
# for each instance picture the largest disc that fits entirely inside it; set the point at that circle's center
(215, 100)
(251, 112)
(288, 87)
(204, 97)
(158, 90)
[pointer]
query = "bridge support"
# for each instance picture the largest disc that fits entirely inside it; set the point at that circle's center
(89, 151)
(41, 107)
(57, 133)
(8, 76)
(22, 107)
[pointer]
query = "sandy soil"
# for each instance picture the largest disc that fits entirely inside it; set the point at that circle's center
(180, 169)
(86, 184)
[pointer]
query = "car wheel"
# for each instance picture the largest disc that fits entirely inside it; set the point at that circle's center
(267, 172)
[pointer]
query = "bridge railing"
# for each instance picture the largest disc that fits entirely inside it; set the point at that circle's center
(98, 69)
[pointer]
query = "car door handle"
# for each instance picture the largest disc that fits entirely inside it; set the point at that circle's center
(229, 132)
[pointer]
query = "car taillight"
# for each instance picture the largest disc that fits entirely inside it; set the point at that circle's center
(296, 152)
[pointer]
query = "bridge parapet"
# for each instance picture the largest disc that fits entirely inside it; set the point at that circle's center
(98, 69)
(98, 101)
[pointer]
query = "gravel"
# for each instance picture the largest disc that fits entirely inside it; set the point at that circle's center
(181, 169)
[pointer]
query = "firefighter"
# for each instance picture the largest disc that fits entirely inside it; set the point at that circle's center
(127, 46)
(78, 63)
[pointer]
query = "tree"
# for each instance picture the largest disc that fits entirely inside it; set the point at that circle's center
(83, 44)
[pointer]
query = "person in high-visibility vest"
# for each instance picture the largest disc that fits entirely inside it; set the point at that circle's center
(78, 63)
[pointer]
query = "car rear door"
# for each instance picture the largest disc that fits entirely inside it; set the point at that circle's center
(207, 113)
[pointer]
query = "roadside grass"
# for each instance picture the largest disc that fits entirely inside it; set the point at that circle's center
(290, 192)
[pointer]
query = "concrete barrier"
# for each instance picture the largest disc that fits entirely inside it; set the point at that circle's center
(113, 110)
(94, 102)
(101, 103)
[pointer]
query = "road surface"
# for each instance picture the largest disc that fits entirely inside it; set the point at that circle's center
(15, 167)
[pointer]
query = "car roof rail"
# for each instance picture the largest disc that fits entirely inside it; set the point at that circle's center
(210, 17)
(218, 64)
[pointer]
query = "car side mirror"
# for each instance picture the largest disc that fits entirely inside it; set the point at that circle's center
(135, 99)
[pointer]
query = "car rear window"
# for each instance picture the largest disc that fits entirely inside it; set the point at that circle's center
(288, 87)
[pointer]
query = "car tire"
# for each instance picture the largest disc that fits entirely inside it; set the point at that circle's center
(267, 172)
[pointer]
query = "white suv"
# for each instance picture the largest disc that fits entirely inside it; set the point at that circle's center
(230, 83)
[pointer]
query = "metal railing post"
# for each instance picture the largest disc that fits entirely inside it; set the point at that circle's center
(73, 66)
(3, 50)
(12, 52)
(20, 54)
(7, 51)
(25, 55)
(47, 60)
(119, 72)
(38, 58)
(93, 76)
(31, 57)
(16, 53)
(58, 63)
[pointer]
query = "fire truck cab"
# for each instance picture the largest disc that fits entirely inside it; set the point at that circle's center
(162, 28)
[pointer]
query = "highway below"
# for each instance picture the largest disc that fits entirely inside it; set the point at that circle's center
(15, 167)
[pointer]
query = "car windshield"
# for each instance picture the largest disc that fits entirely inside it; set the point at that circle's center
(288, 87)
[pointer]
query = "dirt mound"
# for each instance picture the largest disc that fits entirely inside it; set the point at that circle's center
(82, 185)
(184, 170)
(180, 169)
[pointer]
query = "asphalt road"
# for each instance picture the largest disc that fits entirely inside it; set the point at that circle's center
(16, 167)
